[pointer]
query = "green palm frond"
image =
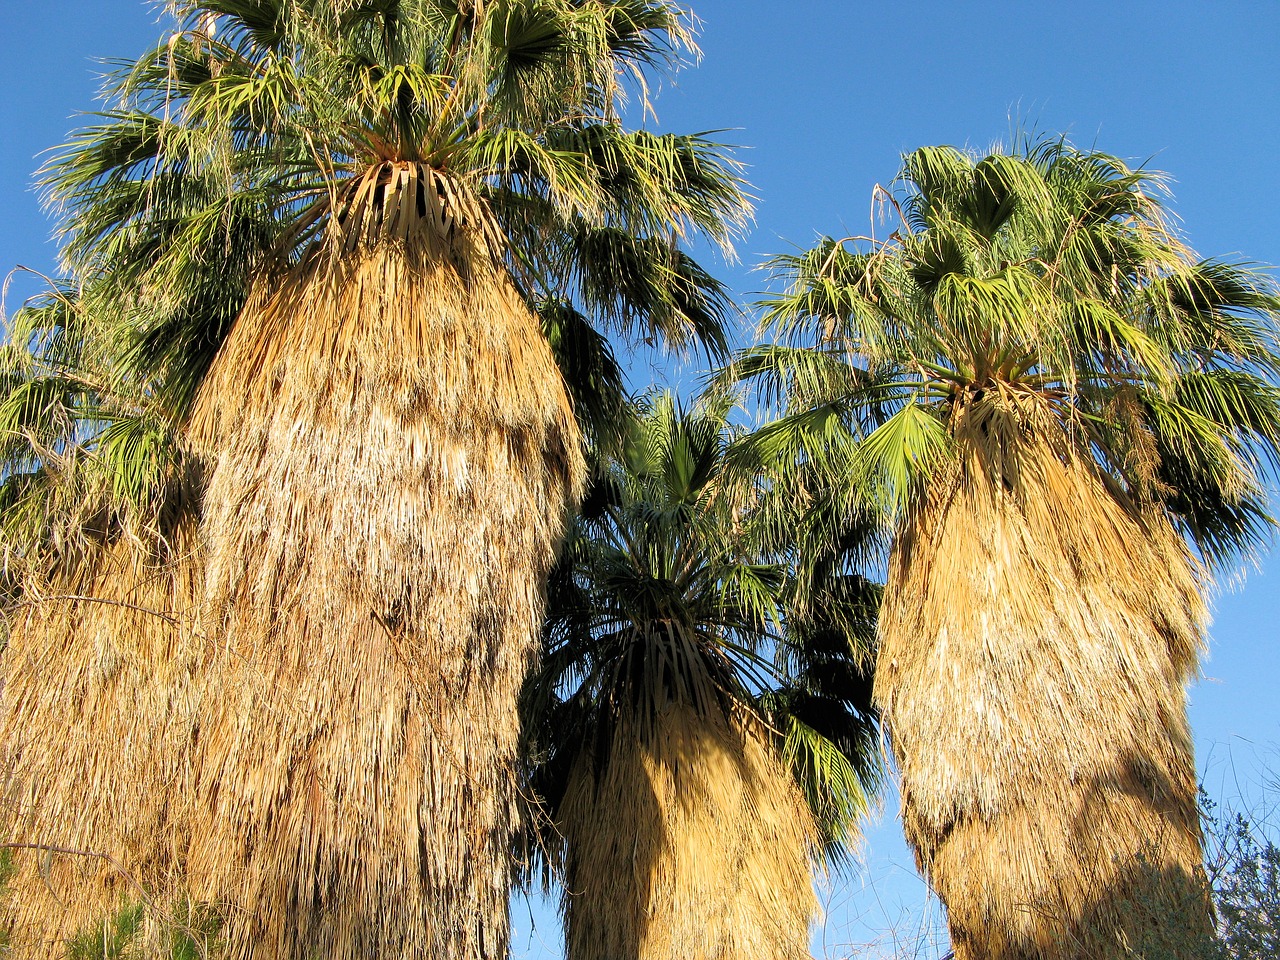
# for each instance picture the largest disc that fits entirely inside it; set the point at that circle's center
(835, 789)
(591, 372)
(909, 444)
(1048, 273)
(85, 453)
(681, 586)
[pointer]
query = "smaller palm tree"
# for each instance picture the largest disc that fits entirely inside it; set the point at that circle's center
(99, 665)
(677, 728)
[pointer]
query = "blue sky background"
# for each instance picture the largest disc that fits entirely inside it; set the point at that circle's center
(824, 97)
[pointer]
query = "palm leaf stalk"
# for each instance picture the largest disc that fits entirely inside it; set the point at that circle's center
(676, 731)
(410, 194)
(1070, 419)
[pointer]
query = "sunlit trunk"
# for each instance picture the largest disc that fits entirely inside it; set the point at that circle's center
(692, 843)
(1036, 639)
(393, 457)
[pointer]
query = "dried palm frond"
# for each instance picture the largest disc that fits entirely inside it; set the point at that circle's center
(99, 714)
(693, 843)
(394, 456)
(1037, 634)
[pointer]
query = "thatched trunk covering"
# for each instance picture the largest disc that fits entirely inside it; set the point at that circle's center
(692, 843)
(99, 710)
(1035, 642)
(394, 455)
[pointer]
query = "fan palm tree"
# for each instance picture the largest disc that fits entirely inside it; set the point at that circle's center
(317, 234)
(674, 755)
(101, 700)
(1069, 418)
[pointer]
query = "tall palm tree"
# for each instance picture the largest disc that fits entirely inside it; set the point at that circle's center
(318, 233)
(677, 730)
(1070, 418)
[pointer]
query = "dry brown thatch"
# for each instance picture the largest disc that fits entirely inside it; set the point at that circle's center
(1036, 639)
(691, 844)
(394, 457)
(99, 709)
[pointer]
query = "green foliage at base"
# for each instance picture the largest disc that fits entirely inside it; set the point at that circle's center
(1247, 891)
(187, 932)
(109, 940)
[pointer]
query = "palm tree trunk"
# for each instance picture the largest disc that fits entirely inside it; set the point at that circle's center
(1036, 639)
(692, 843)
(392, 459)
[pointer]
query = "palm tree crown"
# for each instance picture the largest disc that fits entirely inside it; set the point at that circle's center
(238, 142)
(264, 127)
(1051, 275)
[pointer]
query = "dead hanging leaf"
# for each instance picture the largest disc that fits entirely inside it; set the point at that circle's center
(389, 433)
(1036, 637)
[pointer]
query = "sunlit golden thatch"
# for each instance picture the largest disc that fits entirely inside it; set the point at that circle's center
(394, 458)
(100, 706)
(689, 843)
(1036, 638)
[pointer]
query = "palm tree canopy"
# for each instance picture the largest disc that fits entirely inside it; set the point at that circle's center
(84, 456)
(677, 587)
(1043, 282)
(262, 128)
(264, 133)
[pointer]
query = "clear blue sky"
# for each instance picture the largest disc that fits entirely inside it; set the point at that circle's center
(824, 96)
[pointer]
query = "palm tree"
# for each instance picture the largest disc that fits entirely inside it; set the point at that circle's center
(673, 755)
(317, 234)
(1069, 418)
(101, 698)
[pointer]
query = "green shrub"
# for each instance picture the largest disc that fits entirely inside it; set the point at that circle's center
(1247, 892)
(188, 932)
